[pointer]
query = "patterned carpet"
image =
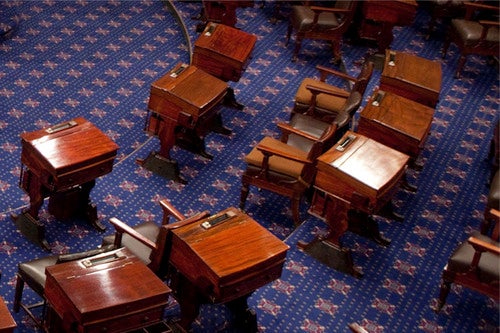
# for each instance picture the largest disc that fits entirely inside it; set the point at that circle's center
(97, 59)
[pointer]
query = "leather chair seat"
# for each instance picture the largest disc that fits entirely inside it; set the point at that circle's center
(148, 229)
(277, 163)
(310, 125)
(33, 272)
(303, 16)
(470, 32)
(323, 102)
(488, 269)
(494, 193)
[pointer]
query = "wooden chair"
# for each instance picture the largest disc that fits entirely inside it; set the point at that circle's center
(286, 166)
(474, 264)
(323, 100)
(32, 273)
(149, 241)
(476, 33)
(323, 23)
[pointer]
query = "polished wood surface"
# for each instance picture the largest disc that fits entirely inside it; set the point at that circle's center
(397, 122)
(7, 323)
(380, 17)
(413, 77)
(185, 92)
(112, 292)
(62, 162)
(352, 184)
(366, 167)
(223, 51)
(229, 260)
(68, 157)
(184, 105)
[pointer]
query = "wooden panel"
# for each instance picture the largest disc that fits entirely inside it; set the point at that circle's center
(7, 323)
(229, 260)
(413, 77)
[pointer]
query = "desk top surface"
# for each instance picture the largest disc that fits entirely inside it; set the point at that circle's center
(228, 41)
(414, 70)
(366, 160)
(69, 144)
(191, 84)
(6, 320)
(399, 114)
(109, 280)
(234, 245)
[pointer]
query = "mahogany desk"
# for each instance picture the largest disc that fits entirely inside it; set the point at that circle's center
(7, 323)
(396, 122)
(110, 292)
(224, 52)
(413, 77)
(355, 179)
(224, 264)
(380, 17)
(184, 107)
(62, 163)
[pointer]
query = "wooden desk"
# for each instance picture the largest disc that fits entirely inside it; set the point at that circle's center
(351, 185)
(184, 107)
(7, 323)
(223, 51)
(396, 122)
(62, 163)
(224, 11)
(413, 77)
(380, 17)
(224, 264)
(111, 292)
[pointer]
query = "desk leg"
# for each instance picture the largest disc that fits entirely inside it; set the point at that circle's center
(230, 100)
(27, 222)
(363, 224)
(161, 163)
(244, 318)
(329, 250)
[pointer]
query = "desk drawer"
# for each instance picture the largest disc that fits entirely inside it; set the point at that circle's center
(126, 322)
(249, 282)
(79, 176)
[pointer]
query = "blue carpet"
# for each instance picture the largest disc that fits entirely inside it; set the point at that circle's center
(97, 59)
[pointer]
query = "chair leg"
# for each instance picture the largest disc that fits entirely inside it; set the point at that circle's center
(288, 33)
(446, 45)
(443, 294)
(295, 210)
(243, 195)
(18, 294)
(460, 66)
(296, 49)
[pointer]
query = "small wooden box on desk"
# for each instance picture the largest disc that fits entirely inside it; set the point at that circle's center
(413, 77)
(223, 51)
(357, 174)
(110, 292)
(225, 262)
(62, 163)
(397, 122)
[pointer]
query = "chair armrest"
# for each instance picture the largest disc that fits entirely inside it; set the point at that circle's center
(482, 246)
(287, 130)
(121, 228)
(189, 220)
(315, 90)
(470, 7)
(170, 210)
(325, 71)
(319, 9)
(269, 151)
